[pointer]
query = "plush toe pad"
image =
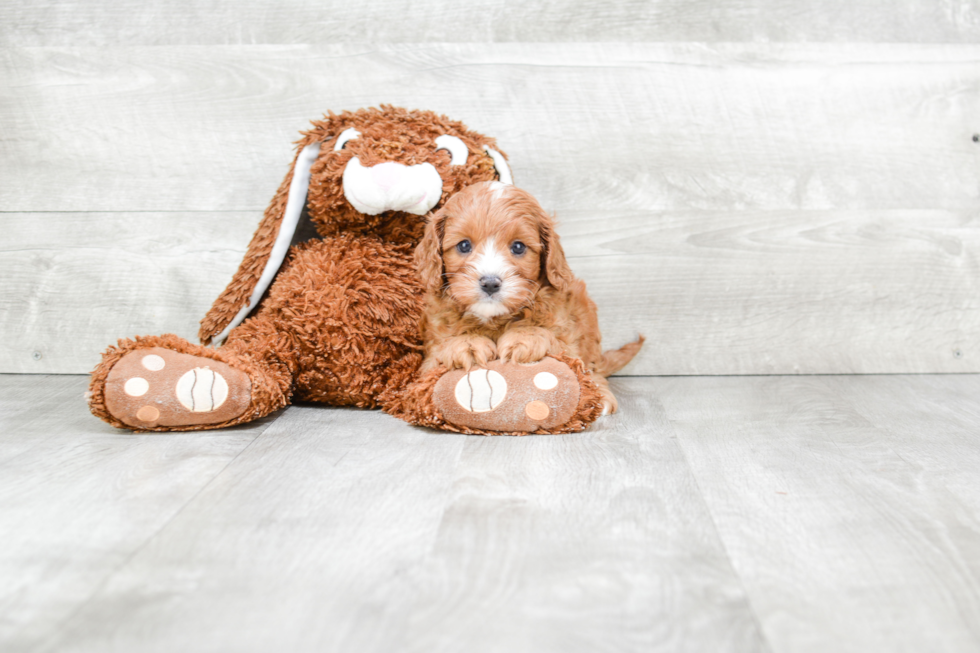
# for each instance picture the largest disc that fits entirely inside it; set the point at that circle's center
(160, 387)
(509, 397)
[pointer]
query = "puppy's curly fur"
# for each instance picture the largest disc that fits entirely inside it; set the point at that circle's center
(498, 286)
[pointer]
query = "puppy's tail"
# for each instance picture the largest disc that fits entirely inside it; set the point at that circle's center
(616, 359)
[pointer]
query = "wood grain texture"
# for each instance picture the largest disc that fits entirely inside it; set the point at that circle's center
(75, 283)
(794, 292)
(79, 498)
(31, 409)
(936, 421)
(126, 22)
(783, 514)
(753, 208)
(832, 497)
(638, 127)
(590, 542)
(341, 530)
(310, 542)
(747, 292)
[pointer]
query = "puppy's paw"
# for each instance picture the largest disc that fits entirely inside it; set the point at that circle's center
(609, 405)
(466, 352)
(527, 345)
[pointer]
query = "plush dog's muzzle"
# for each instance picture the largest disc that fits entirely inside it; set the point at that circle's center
(392, 186)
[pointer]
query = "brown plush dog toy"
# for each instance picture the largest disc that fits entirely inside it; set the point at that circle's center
(336, 319)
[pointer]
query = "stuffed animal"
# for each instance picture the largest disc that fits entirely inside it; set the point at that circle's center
(336, 319)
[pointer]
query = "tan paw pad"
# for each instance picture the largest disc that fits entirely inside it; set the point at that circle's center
(509, 397)
(159, 387)
(148, 414)
(537, 410)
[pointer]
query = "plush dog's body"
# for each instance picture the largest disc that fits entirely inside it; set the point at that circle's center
(499, 287)
(336, 320)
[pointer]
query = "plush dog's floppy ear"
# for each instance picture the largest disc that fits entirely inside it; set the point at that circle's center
(554, 267)
(428, 253)
(266, 251)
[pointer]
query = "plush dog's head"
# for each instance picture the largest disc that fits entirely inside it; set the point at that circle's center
(374, 172)
(380, 171)
(489, 249)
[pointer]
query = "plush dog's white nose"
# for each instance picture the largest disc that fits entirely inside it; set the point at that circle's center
(392, 186)
(386, 175)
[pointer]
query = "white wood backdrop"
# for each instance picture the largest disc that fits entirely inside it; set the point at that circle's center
(753, 207)
(190, 22)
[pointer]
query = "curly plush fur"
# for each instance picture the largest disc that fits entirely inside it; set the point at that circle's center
(391, 134)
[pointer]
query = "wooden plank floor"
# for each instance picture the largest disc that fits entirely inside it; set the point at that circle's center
(800, 513)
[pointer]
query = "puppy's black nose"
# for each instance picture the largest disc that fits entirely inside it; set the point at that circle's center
(490, 284)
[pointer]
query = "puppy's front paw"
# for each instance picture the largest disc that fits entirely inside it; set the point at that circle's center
(527, 345)
(465, 352)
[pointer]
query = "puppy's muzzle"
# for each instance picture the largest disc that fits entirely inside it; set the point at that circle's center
(490, 284)
(392, 186)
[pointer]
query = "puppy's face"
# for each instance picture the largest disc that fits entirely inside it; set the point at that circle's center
(491, 253)
(488, 250)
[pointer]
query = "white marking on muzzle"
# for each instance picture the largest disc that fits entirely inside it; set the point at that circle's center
(491, 262)
(392, 186)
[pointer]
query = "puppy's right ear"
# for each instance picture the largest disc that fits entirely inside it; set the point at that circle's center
(428, 254)
(554, 267)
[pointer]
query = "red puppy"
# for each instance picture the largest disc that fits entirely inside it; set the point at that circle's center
(498, 286)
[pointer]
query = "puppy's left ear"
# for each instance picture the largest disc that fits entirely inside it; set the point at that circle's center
(428, 253)
(554, 267)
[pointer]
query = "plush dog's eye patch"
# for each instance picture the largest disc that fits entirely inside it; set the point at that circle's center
(500, 165)
(348, 134)
(457, 149)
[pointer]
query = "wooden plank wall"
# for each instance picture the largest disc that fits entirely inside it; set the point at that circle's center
(761, 186)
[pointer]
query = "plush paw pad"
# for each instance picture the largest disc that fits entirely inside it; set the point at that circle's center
(481, 391)
(202, 390)
(509, 397)
(160, 387)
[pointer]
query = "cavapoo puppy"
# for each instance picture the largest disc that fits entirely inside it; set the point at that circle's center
(498, 286)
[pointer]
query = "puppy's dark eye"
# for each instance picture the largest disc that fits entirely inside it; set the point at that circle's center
(517, 248)
(464, 247)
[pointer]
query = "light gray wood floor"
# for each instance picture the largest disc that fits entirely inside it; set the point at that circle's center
(796, 513)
